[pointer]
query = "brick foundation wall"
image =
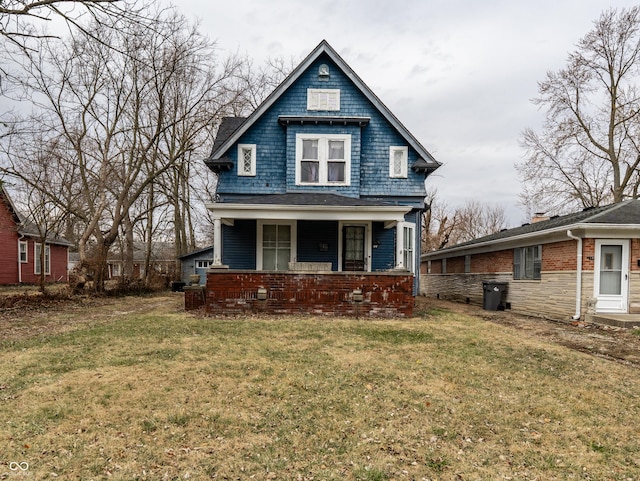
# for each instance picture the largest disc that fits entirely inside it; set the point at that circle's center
(230, 292)
(194, 297)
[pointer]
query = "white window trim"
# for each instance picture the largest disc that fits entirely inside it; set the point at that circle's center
(252, 171)
(36, 258)
(323, 99)
(400, 246)
(260, 235)
(203, 264)
(405, 161)
(26, 251)
(323, 142)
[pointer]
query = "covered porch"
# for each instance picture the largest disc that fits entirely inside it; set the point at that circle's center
(275, 232)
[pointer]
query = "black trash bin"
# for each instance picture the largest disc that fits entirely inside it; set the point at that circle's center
(177, 286)
(493, 295)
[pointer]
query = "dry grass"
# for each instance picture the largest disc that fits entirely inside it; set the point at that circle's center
(166, 395)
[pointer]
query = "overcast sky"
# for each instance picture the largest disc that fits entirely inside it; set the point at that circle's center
(458, 74)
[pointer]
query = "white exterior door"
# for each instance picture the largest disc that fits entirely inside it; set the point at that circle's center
(611, 282)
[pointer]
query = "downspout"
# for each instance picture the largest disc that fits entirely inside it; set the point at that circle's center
(578, 275)
(19, 263)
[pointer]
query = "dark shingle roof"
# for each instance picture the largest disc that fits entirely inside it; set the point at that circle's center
(305, 198)
(624, 213)
(227, 127)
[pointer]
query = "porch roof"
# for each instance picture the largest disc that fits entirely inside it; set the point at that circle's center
(309, 206)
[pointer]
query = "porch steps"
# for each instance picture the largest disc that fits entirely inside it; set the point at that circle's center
(617, 320)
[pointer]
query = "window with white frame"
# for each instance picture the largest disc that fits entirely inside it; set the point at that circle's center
(323, 99)
(398, 161)
(116, 270)
(203, 264)
(527, 262)
(276, 245)
(323, 159)
(37, 260)
(24, 252)
(247, 159)
(406, 242)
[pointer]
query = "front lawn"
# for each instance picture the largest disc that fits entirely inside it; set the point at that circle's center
(156, 393)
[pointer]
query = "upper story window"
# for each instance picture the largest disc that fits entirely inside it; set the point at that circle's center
(247, 159)
(398, 160)
(527, 262)
(323, 159)
(323, 99)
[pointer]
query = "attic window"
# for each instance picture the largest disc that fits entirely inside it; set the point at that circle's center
(398, 162)
(247, 159)
(323, 99)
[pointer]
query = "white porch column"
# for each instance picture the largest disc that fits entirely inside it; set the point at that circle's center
(217, 242)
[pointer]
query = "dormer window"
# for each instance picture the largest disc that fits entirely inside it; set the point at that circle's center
(247, 159)
(323, 159)
(323, 99)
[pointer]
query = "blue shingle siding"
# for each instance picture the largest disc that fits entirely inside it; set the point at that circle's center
(311, 234)
(275, 154)
(239, 245)
(383, 257)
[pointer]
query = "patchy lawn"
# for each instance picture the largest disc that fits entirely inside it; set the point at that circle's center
(134, 388)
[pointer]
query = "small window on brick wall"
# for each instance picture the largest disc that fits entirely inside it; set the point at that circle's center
(467, 264)
(527, 262)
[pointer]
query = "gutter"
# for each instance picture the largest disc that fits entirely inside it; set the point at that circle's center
(578, 274)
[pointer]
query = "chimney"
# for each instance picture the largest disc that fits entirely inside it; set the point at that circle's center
(539, 217)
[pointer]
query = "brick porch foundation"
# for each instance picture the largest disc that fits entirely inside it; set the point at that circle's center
(230, 292)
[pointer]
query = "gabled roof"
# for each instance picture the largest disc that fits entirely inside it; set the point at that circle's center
(426, 163)
(204, 250)
(623, 214)
(27, 228)
(4, 195)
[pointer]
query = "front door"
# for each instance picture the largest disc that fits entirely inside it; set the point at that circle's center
(611, 283)
(353, 252)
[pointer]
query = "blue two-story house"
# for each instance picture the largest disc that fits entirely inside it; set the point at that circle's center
(321, 177)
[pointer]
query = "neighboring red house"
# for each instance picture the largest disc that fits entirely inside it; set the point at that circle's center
(20, 249)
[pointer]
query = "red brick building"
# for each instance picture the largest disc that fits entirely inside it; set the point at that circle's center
(570, 266)
(20, 248)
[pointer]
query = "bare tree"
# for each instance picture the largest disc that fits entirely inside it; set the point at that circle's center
(115, 113)
(445, 227)
(588, 150)
(17, 17)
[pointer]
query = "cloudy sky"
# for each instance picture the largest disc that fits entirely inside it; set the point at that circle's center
(458, 73)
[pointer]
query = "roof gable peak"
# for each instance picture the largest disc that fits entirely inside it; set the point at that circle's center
(323, 48)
